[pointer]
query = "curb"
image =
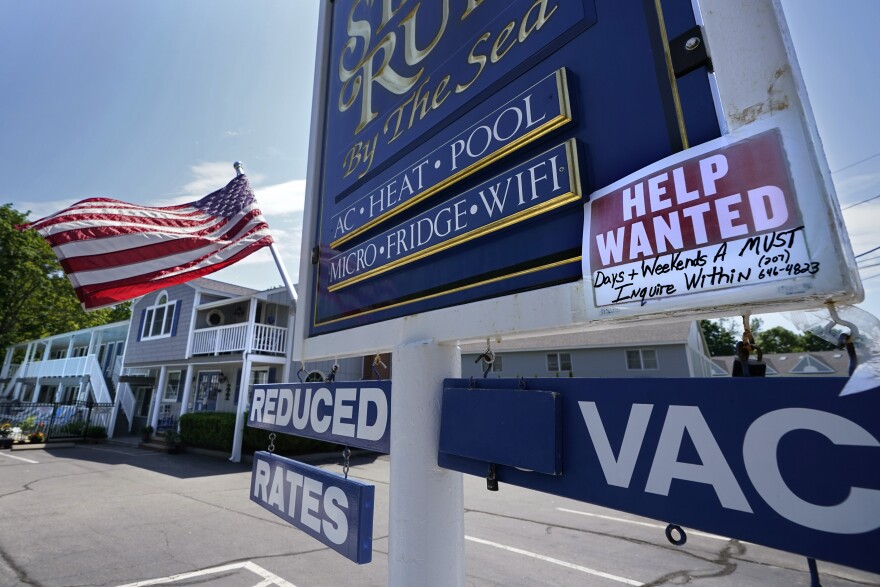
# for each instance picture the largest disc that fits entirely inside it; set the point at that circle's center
(43, 446)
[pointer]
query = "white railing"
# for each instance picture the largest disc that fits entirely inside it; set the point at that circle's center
(117, 369)
(127, 401)
(269, 339)
(8, 370)
(14, 373)
(71, 367)
(96, 378)
(233, 338)
(222, 339)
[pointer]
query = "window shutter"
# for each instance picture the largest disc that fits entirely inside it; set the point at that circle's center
(141, 327)
(176, 317)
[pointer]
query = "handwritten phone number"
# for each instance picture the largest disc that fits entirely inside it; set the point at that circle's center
(790, 269)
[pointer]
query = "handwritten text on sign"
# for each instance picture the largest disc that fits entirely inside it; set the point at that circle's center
(535, 187)
(334, 510)
(351, 413)
(719, 220)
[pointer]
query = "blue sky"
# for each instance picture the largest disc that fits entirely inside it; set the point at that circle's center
(151, 102)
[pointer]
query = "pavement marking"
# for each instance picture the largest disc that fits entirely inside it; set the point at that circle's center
(556, 561)
(269, 579)
(5, 454)
(645, 524)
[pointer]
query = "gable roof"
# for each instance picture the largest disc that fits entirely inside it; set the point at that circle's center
(821, 363)
(221, 287)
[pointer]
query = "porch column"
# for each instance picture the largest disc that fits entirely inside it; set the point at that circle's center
(187, 389)
(36, 394)
(252, 319)
(239, 411)
(288, 351)
(28, 354)
(67, 355)
(157, 400)
(91, 343)
(117, 398)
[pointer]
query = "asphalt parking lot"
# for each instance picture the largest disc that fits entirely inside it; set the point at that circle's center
(112, 515)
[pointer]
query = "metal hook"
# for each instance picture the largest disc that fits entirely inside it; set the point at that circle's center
(332, 376)
(854, 330)
(682, 535)
(302, 373)
(377, 362)
(745, 347)
(488, 357)
(846, 341)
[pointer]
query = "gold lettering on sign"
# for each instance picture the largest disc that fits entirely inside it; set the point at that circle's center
(358, 81)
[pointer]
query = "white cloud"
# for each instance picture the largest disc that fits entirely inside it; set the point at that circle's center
(282, 199)
(209, 177)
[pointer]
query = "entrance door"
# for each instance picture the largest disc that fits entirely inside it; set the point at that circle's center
(207, 387)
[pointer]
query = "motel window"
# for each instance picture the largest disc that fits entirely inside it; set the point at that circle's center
(172, 387)
(641, 360)
(158, 319)
(558, 362)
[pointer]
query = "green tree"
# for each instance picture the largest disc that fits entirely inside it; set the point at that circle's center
(720, 337)
(812, 343)
(36, 298)
(778, 340)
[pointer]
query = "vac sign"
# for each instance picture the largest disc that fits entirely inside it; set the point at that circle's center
(771, 461)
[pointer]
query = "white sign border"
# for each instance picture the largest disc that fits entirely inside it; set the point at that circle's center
(835, 280)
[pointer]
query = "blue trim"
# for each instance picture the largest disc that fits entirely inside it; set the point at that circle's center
(141, 325)
(177, 305)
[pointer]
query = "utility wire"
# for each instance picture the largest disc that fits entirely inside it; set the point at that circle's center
(860, 202)
(866, 252)
(869, 259)
(859, 162)
(869, 266)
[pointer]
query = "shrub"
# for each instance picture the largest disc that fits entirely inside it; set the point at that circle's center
(37, 437)
(96, 432)
(211, 430)
(215, 431)
(80, 429)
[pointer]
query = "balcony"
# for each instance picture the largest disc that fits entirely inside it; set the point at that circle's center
(267, 340)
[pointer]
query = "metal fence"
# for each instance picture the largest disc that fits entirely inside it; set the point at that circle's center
(56, 421)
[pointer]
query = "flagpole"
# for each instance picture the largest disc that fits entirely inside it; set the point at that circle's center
(281, 269)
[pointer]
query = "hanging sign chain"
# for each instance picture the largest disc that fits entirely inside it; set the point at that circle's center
(488, 358)
(271, 448)
(377, 362)
(346, 455)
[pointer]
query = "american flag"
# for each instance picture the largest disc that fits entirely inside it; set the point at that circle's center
(113, 251)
